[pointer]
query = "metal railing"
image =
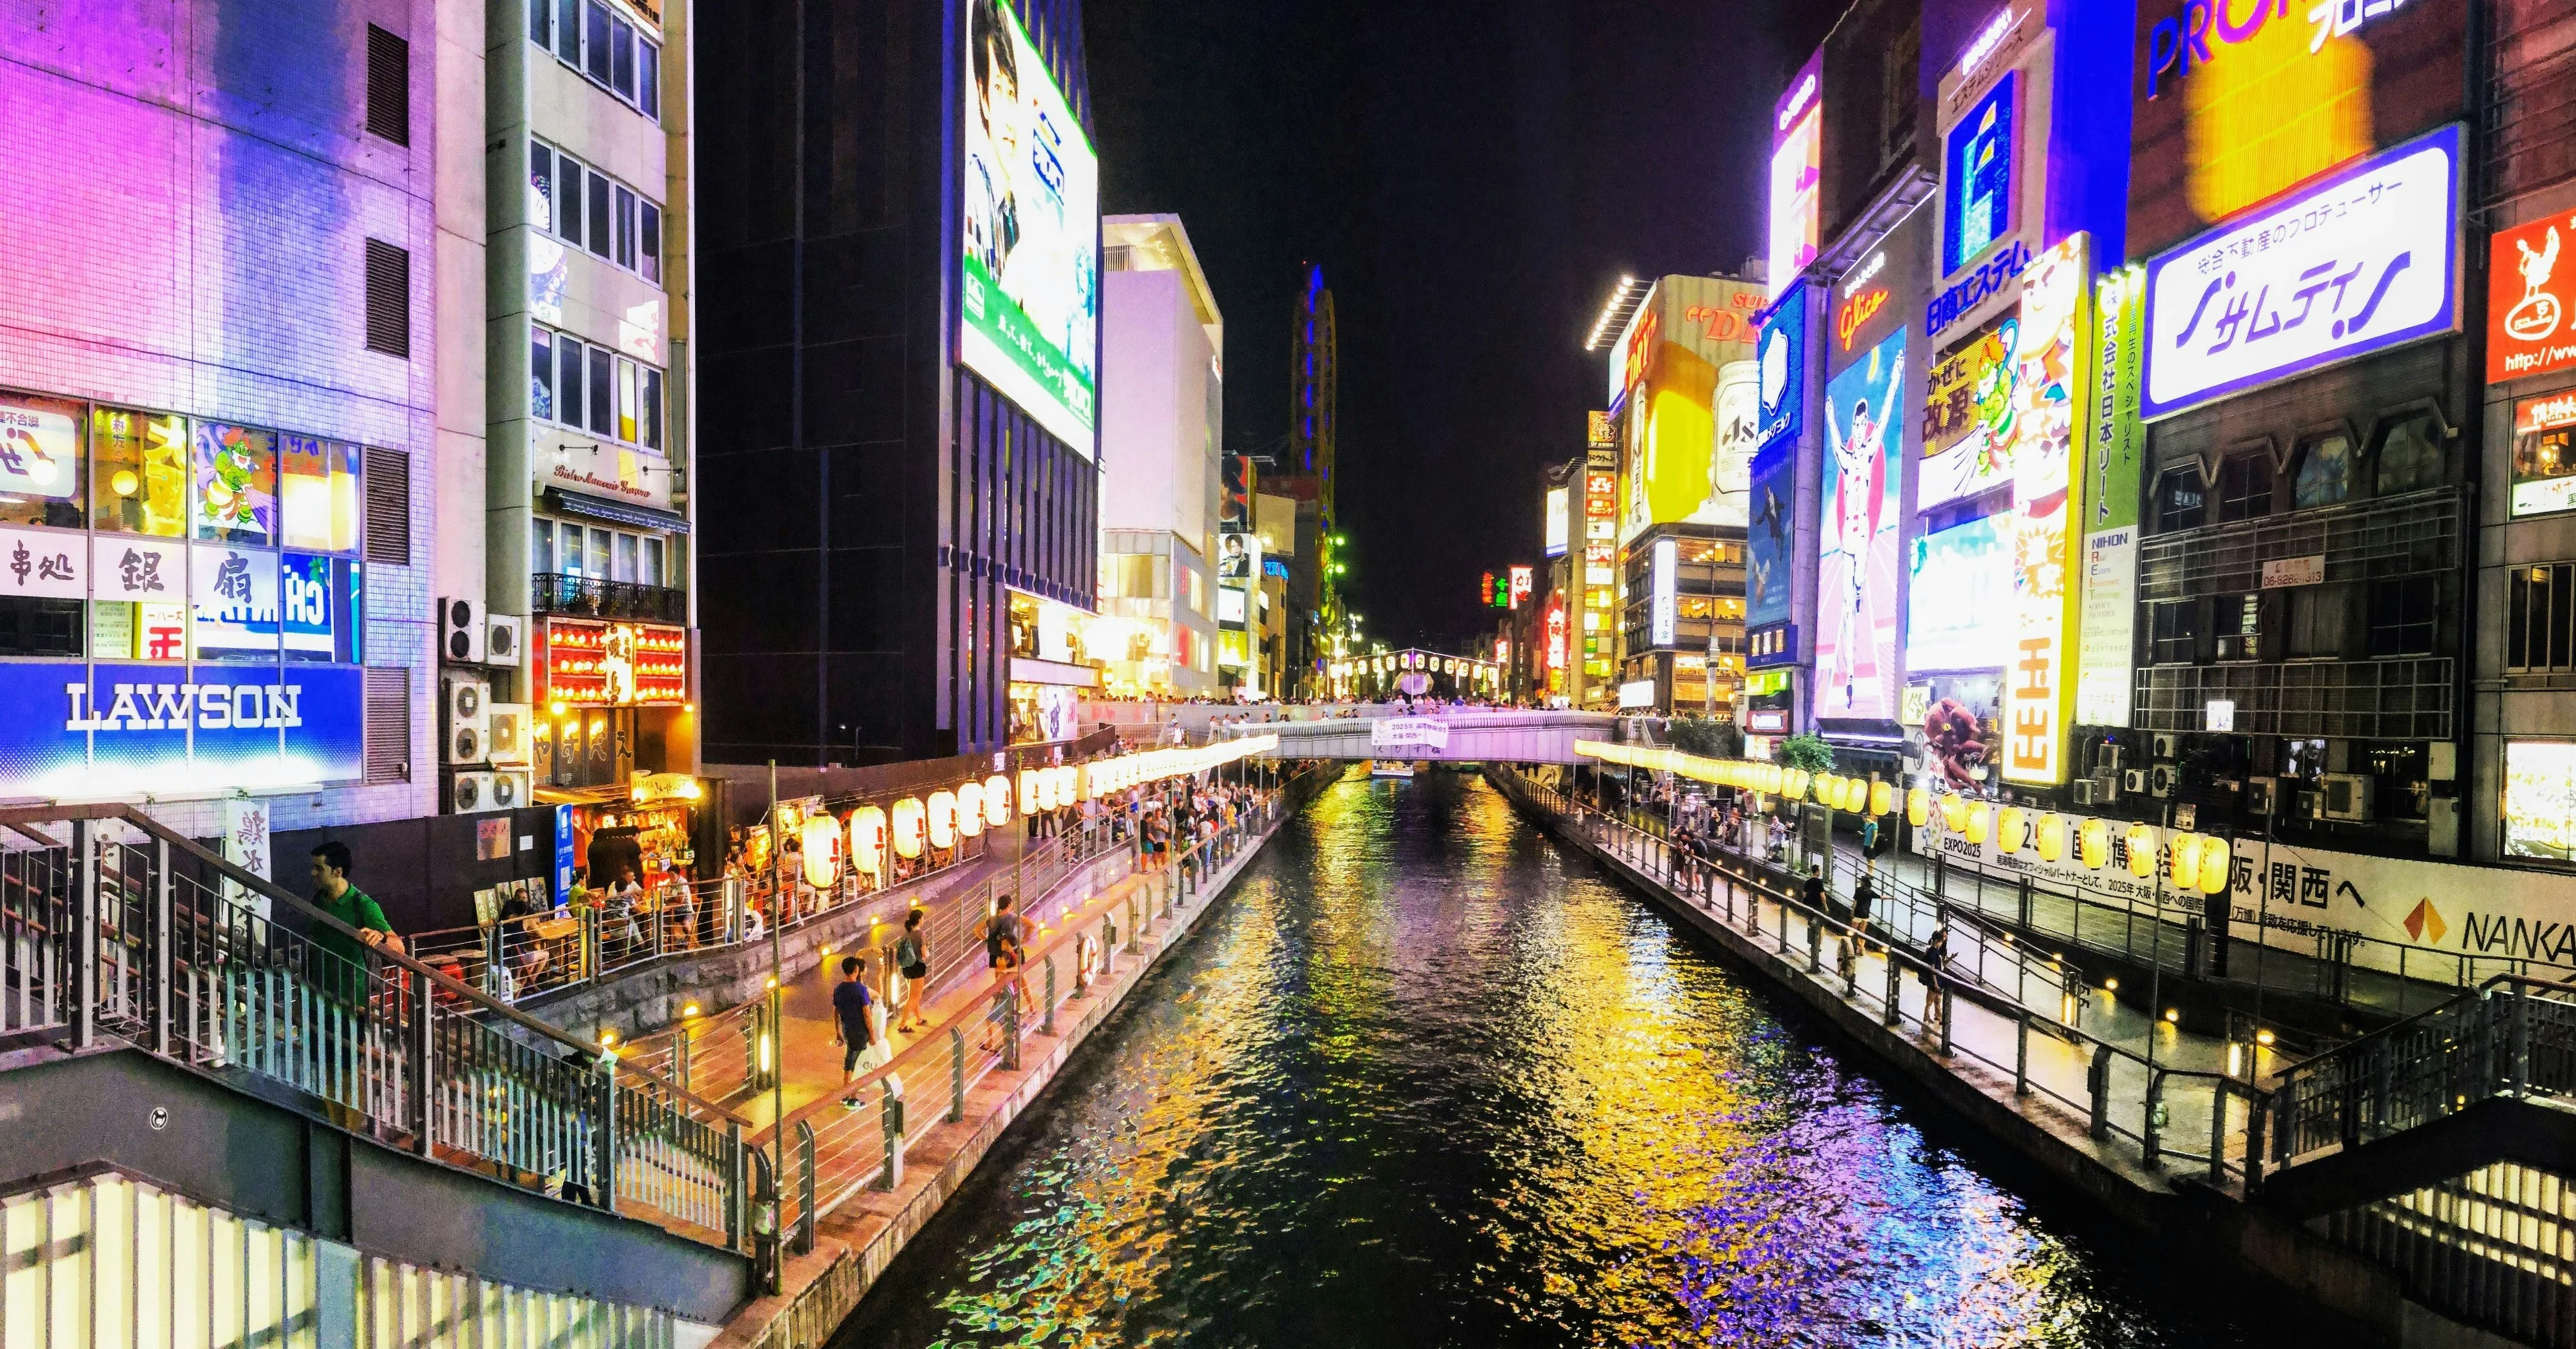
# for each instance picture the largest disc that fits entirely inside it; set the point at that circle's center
(554, 592)
(117, 928)
(2205, 1119)
(2513, 1037)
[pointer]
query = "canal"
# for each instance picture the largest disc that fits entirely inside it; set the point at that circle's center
(1424, 1079)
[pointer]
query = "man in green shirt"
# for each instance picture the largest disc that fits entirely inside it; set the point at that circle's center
(343, 970)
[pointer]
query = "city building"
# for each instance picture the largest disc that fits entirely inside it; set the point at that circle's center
(1162, 582)
(899, 358)
(1308, 474)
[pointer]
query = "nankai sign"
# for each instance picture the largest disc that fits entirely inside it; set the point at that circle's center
(2530, 287)
(2363, 261)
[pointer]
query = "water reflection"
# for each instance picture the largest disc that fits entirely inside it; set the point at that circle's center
(1424, 1081)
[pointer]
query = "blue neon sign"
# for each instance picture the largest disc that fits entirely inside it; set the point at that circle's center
(1979, 184)
(1782, 352)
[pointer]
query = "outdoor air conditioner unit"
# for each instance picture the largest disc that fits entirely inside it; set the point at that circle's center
(2168, 745)
(460, 631)
(2106, 788)
(504, 637)
(2347, 797)
(464, 718)
(2087, 792)
(2106, 757)
(2160, 780)
(2133, 780)
(468, 793)
(511, 789)
(2262, 796)
(509, 740)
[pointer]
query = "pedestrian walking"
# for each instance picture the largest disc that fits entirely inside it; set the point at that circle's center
(1864, 898)
(850, 1025)
(343, 975)
(1936, 959)
(912, 957)
(1812, 890)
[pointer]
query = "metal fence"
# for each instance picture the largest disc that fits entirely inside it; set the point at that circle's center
(118, 928)
(2513, 1037)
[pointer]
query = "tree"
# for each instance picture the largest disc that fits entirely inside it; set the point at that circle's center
(1809, 752)
(1704, 736)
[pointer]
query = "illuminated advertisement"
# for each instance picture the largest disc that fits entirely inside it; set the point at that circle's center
(1689, 329)
(1661, 603)
(2268, 105)
(40, 448)
(2362, 261)
(1739, 423)
(1769, 539)
(1969, 414)
(612, 664)
(1523, 579)
(2528, 293)
(1963, 614)
(2048, 501)
(2540, 800)
(1029, 290)
(117, 730)
(2544, 455)
(1782, 351)
(1979, 186)
(1556, 524)
(1797, 163)
(2114, 449)
(1856, 581)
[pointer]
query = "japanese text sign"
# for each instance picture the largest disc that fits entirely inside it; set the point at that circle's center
(2528, 292)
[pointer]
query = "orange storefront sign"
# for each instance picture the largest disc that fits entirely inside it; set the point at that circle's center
(2531, 299)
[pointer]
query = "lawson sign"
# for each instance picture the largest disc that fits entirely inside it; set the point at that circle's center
(2364, 260)
(174, 730)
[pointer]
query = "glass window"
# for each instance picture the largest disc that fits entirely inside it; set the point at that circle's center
(233, 592)
(649, 244)
(602, 372)
(236, 481)
(34, 627)
(2240, 627)
(598, 566)
(626, 400)
(541, 186)
(2401, 616)
(2410, 456)
(595, 40)
(653, 574)
(571, 383)
(2174, 633)
(648, 78)
(318, 495)
(595, 206)
(2182, 501)
(2316, 621)
(540, 31)
(621, 54)
(568, 30)
(652, 409)
(567, 197)
(541, 374)
(2544, 457)
(2540, 618)
(44, 461)
(142, 479)
(2325, 472)
(625, 228)
(628, 550)
(541, 546)
(2244, 487)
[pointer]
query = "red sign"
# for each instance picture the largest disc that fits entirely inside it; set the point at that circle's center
(2531, 299)
(1556, 632)
(612, 664)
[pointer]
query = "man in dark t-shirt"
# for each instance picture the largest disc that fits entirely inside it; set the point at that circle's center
(340, 969)
(850, 1003)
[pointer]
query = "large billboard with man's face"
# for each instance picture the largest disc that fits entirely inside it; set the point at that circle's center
(1029, 290)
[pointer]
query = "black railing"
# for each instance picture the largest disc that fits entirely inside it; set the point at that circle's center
(554, 592)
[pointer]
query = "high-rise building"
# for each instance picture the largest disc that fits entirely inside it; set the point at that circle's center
(900, 250)
(1314, 391)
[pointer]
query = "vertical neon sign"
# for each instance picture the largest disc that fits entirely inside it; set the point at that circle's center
(2048, 494)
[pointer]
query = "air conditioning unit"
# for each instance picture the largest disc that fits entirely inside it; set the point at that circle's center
(2160, 780)
(2133, 780)
(2087, 792)
(509, 740)
(2168, 746)
(505, 636)
(2106, 757)
(2262, 796)
(511, 789)
(460, 631)
(468, 793)
(2106, 788)
(464, 718)
(2347, 797)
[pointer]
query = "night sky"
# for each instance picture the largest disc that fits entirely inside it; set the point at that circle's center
(1474, 179)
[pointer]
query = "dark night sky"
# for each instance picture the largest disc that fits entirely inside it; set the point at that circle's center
(1474, 179)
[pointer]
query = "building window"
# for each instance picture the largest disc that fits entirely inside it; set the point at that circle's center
(648, 79)
(541, 375)
(594, 207)
(594, 389)
(2540, 618)
(2316, 622)
(2173, 633)
(2544, 459)
(541, 547)
(589, 210)
(2410, 456)
(2240, 627)
(2244, 487)
(2325, 472)
(2182, 499)
(602, 44)
(603, 375)
(2401, 616)
(388, 86)
(594, 42)
(648, 236)
(388, 299)
(625, 242)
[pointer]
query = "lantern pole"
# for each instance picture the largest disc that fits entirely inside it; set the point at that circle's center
(778, 995)
(2156, 945)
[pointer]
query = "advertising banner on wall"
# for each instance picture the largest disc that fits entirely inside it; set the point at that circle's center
(1782, 350)
(119, 730)
(1029, 288)
(1861, 525)
(1556, 521)
(2363, 260)
(1968, 415)
(2114, 444)
(1797, 172)
(2529, 327)
(2048, 504)
(1769, 569)
(1963, 615)
(1689, 329)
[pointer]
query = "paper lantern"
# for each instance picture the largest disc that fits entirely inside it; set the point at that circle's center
(1918, 807)
(1068, 785)
(1030, 800)
(1981, 822)
(1856, 795)
(2012, 829)
(2093, 844)
(970, 809)
(1793, 783)
(2142, 850)
(1882, 797)
(2184, 862)
(1954, 812)
(868, 840)
(943, 819)
(908, 822)
(1774, 780)
(997, 800)
(2216, 866)
(822, 839)
(2048, 835)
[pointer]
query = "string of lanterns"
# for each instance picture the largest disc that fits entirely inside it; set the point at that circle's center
(1859, 796)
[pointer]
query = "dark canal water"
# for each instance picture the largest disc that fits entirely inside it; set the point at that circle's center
(1425, 1080)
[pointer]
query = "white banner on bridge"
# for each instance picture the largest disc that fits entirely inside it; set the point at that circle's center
(1414, 733)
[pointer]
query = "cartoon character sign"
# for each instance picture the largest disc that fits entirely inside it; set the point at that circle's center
(236, 470)
(1856, 583)
(1969, 417)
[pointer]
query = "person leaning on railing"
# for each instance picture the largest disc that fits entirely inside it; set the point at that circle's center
(343, 976)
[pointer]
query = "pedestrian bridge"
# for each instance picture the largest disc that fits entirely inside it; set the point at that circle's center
(1456, 735)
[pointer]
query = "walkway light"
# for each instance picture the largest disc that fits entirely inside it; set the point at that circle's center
(908, 823)
(970, 809)
(997, 800)
(1918, 807)
(943, 820)
(868, 840)
(2093, 844)
(2142, 850)
(2012, 829)
(2216, 867)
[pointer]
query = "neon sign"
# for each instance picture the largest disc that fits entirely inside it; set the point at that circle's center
(2177, 44)
(1856, 312)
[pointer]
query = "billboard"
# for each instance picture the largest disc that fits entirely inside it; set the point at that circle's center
(1856, 582)
(2528, 293)
(1668, 365)
(122, 730)
(1662, 602)
(1768, 571)
(1978, 153)
(2114, 450)
(1968, 415)
(1739, 423)
(1781, 349)
(2048, 504)
(1797, 173)
(1029, 285)
(1556, 522)
(2363, 260)
(1962, 617)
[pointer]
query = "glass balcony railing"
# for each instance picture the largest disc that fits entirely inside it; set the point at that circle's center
(590, 597)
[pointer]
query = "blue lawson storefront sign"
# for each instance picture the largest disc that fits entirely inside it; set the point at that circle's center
(2365, 259)
(78, 730)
